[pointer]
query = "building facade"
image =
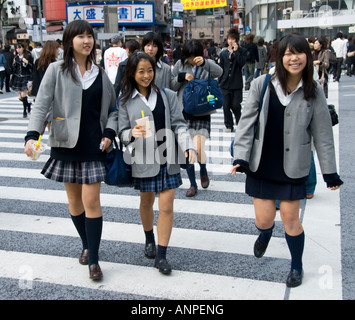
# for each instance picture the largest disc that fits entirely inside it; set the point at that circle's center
(273, 19)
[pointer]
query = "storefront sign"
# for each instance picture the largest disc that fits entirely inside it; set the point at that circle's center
(128, 13)
(203, 4)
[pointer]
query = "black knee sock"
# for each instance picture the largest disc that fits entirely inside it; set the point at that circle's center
(161, 252)
(296, 245)
(93, 235)
(79, 223)
(191, 174)
(149, 236)
(203, 169)
(265, 234)
(24, 102)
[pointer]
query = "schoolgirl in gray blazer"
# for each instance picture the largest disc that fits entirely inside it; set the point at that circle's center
(277, 154)
(155, 163)
(77, 97)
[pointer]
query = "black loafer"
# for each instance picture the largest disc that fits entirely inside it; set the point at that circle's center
(294, 279)
(163, 265)
(259, 248)
(150, 250)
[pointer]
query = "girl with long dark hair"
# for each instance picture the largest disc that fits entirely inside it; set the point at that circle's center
(155, 168)
(22, 74)
(199, 126)
(277, 157)
(82, 105)
(153, 46)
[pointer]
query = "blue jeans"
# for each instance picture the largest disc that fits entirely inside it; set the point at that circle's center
(249, 69)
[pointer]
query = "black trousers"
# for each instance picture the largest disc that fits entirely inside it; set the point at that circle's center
(337, 69)
(232, 105)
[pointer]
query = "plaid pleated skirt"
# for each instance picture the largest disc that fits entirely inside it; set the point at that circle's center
(82, 172)
(199, 127)
(19, 83)
(160, 182)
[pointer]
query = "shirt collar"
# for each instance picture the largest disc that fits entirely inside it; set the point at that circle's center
(152, 99)
(285, 99)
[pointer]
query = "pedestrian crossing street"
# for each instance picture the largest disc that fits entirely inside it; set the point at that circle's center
(211, 247)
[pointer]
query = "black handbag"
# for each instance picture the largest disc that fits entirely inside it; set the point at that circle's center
(118, 171)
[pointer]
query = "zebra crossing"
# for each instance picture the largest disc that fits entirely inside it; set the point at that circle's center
(211, 247)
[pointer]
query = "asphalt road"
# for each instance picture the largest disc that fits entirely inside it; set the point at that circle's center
(213, 236)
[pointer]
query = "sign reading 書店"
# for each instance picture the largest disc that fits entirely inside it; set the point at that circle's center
(128, 13)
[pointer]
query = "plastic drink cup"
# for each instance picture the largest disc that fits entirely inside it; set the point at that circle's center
(144, 122)
(37, 150)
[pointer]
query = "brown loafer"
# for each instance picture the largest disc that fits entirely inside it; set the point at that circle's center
(310, 196)
(95, 272)
(191, 192)
(205, 182)
(84, 257)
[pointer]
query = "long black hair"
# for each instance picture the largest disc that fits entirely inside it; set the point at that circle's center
(296, 43)
(128, 81)
(156, 39)
(191, 48)
(73, 29)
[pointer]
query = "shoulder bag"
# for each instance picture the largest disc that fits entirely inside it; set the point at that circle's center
(202, 96)
(266, 82)
(118, 171)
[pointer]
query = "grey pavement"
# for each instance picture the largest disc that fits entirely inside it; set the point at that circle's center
(212, 240)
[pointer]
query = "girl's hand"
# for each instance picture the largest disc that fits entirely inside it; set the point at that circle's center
(138, 131)
(199, 60)
(334, 188)
(28, 148)
(234, 170)
(189, 77)
(24, 60)
(191, 154)
(105, 142)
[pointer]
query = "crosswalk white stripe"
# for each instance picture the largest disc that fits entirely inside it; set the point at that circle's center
(128, 201)
(127, 232)
(132, 279)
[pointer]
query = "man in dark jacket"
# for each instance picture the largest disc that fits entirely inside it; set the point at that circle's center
(9, 56)
(232, 61)
(253, 57)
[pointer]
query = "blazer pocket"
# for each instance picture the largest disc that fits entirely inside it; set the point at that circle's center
(60, 129)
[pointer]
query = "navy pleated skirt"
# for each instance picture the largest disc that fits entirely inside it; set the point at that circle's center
(264, 189)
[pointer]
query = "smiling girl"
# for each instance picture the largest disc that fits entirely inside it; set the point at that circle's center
(277, 157)
(155, 168)
(79, 96)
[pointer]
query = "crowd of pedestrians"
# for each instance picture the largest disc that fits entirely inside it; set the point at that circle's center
(80, 100)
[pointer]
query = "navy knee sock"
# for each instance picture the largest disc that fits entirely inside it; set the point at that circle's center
(149, 236)
(265, 234)
(203, 169)
(296, 245)
(79, 223)
(93, 234)
(191, 174)
(161, 252)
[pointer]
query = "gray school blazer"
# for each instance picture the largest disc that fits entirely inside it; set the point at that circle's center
(144, 155)
(61, 98)
(303, 120)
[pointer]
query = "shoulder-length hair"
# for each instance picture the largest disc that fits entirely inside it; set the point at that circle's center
(128, 82)
(48, 55)
(73, 29)
(156, 39)
(26, 54)
(296, 43)
(191, 48)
